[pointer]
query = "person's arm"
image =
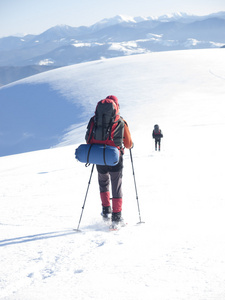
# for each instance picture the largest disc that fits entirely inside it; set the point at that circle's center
(127, 141)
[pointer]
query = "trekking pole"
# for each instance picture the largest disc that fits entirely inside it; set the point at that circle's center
(89, 182)
(135, 188)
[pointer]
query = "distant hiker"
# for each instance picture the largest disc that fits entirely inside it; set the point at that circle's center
(109, 128)
(157, 135)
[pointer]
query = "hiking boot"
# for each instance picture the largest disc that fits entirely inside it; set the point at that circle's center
(106, 212)
(116, 217)
(117, 221)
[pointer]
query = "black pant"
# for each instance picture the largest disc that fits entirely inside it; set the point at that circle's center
(157, 141)
(113, 174)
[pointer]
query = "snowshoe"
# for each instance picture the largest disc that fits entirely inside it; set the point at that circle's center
(117, 221)
(117, 225)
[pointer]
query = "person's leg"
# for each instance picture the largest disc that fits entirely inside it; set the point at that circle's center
(116, 181)
(104, 182)
(117, 200)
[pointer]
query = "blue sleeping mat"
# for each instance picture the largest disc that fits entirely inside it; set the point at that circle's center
(97, 154)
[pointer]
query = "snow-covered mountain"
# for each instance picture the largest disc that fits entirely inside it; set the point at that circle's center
(119, 36)
(179, 252)
(47, 109)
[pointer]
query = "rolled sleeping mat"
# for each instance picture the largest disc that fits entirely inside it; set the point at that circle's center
(97, 154)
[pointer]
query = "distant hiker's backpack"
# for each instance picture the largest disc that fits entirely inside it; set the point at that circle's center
(157, 134)
(156, 129)
(106, 126)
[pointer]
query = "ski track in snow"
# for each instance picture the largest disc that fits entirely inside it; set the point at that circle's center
(178, 253)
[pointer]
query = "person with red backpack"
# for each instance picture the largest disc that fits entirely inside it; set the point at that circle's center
(157, 135)
(107, 127)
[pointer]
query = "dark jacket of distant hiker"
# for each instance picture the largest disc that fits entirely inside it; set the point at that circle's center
(157, 135)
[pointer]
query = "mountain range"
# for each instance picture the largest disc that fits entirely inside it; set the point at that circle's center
(64, 45)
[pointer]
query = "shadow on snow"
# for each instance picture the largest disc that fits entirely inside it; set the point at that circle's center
(35, 237)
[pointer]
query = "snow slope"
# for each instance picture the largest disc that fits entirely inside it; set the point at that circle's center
(179, 253)
(40, 111)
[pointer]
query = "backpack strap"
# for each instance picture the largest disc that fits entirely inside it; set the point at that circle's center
(104, 154)
(91, 126)
(87, 163)
(111, 125)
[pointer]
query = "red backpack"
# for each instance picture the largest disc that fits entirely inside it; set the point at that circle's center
(106, 126)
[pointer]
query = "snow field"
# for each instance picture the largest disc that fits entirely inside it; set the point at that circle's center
(179, 252)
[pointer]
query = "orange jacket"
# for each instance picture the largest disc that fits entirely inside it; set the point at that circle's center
(127, 141)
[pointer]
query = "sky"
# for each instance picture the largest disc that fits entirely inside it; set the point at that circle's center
(34, 17)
